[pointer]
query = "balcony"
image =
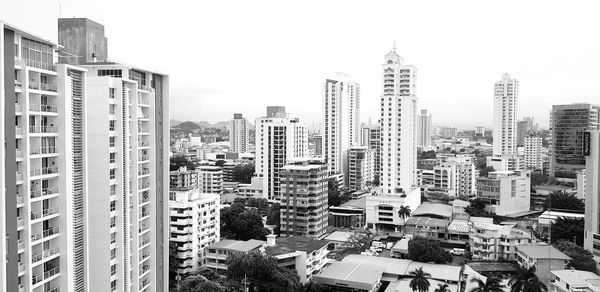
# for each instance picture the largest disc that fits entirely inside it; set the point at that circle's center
(35, 64)
(44, 171)
(43, 150)
(46, 275)
(144, 242)
(18, 108)
(143, 101)
(144, 186)
(43, 129)
(145, 268)
(20, 199)
(143, 130)
(19, 154)
(144, 158)
(20, 244)
(144, 256)
(42, 86)
(36, 257)
(144, 171)
(43, 108)
(20, 222)
(44, 213)
(44, 234)
(43, 192)
(145, 88)
(21, 267)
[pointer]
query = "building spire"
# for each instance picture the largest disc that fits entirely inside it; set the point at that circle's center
(394, 46)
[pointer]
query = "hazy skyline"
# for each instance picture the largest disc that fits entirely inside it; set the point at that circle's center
(228, 56)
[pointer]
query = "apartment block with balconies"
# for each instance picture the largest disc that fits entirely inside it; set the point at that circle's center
(194, 225)
(492, 242)
(210, 179)
(505, 192)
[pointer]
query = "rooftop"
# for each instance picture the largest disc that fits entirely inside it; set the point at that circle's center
(426, 221)
(437, 209)
(341, 236)
(483, 267)
(461, 226)
(542, 252)
(576, 278)
(292, 244)
(238, 245)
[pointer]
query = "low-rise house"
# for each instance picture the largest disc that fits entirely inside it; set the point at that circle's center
(348, 215)
(368, 273)
(216, 255)
(304, 255)
(544, 258)
(426, 227)
(574, 281)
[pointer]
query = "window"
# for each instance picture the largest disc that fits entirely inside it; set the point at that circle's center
(111, 142)
(111, 126)
(111, 108)
(113, 205)
(117, 73)
(112, 157)
(111, 93)
(112, 173)
(113, 269)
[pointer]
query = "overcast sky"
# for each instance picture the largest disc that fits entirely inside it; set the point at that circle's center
(240, 56)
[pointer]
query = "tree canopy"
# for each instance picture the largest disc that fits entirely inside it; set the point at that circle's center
(178, 161)
(581, 259)
(243, 173)
(240, 223)
(567, 228)
(561, 200)
(335, 196)
(491, 285)
(538, 178)
(261, 272)
(525, 280)
(422, 249)
(484, 171)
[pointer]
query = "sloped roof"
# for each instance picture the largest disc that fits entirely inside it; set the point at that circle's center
(436, 209)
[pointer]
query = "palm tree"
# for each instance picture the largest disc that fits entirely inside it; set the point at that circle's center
(419, 283)
(404, 212)
(492, 285)
(525, 280)
(442, 288)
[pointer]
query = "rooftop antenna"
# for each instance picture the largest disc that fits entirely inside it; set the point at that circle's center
(394, 46)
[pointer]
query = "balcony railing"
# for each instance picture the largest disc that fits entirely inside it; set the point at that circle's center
(44, 170)
(144, 171)
(144, 158)
(46, 233)
(144, 269)
(21, 267)
(43, 108)
(20, 244)
(144, 256)
(144, 186)
(36, 257)
(20, 199)
(43, 129)
(44, 213)
(144, 242)
(42, 86)
(43, 150)
(145, 87)
(41, 277)
(143, 130)
(43, 192)
(36, 64)
(20, 222)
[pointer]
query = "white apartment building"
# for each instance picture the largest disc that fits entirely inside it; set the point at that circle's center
(303, 197)
(371, 137)
(592, 192)
(455, 177)
(341, 122)
(424, 129)
(360, 168)
(533, 152)
(506, 94)
(239, 137)
(491, 242)
(505, 192)
(194, 225)
(43, 189)
(279, 139)
(210, 179)
(398, 126)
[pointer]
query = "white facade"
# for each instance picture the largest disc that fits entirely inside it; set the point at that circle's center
(194, 225)
(341, 122)
(533, 152)
(239, 137)
(506, 93)
(424, 129)
(592, 195)
(279, 139)
(505, 192)
(491, 242)
(398, 126)
(128, 144)
(360, 168)
(210, 179)
(42, 183)
(455, 177)
(382, 211)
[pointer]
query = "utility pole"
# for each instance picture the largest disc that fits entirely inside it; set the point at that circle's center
(245, 282)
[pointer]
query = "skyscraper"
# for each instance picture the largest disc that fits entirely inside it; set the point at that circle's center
(506, 94)
(279, 140)
(591, 153)
(424, 129)
(398, 125)
(239, 137)
(567, 125)
(43, 188)
(371, 137)
(127, 143)
(533, 152)
(341, 122)
(360, 168)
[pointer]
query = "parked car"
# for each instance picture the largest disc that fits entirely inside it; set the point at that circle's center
(458, 251)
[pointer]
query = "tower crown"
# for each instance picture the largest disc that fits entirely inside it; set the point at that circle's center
(392, 57)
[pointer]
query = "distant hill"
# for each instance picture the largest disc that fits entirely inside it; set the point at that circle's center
(174, 122)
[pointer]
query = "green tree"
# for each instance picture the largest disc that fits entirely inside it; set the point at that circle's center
(476, 208)
(568, 228)
(404, 212)
(428, 155)
(261, 272)
(274, 214)
(525, 280)
(262, 205)
(419, 283)
(173, 262)
(312, 287)
(241, 224)
(199, 283)
(422, 249)
(333, 193)
(220, 162)
(491, 285)
(442, 287)
(243, 173)
(484, 171)
(538, 178)
(561, 200)
(581, 259)
(178, 161)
